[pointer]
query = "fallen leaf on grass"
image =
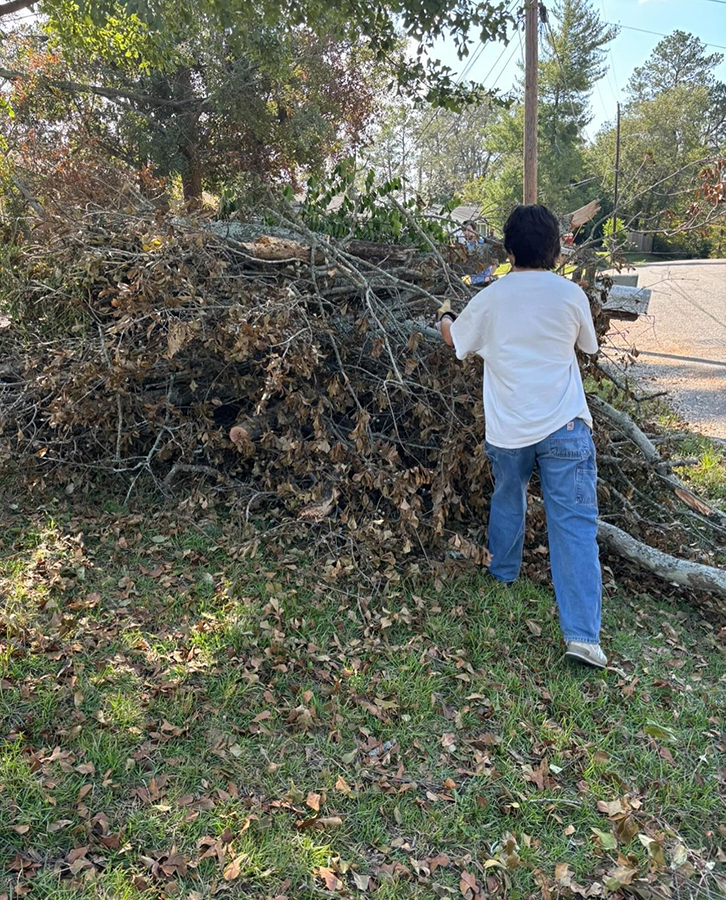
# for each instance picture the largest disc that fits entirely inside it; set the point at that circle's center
(610, 808)
(679, 856)
(313, 801)
(534, 628)
(448, 741)
(319, 824)
(625, 829)
(562, 873)
(362, 882)
(607, 840)
(468, 885)
(76, 853)
(655, 850)
(622, 875)
(667, 755)
(342, 786)
(439, 862)
(332, 882)
(234, 869)
(660, 732)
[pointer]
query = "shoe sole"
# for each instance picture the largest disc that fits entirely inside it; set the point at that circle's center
(575, 657)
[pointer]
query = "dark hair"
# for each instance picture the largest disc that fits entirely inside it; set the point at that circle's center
(532, 236)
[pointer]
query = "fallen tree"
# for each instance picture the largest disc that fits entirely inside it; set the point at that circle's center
(299, 378)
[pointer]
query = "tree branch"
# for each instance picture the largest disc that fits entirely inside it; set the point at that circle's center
(676, 571)
(114, 94)
(7, 9)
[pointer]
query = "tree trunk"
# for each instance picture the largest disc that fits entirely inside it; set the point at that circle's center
(189, 138)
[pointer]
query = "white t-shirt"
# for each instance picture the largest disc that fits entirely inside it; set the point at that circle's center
(526, 326)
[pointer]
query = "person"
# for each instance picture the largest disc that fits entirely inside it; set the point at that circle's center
(470, 235)
(473, 240)
(526, 326)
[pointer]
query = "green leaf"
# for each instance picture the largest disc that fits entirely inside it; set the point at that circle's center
(607, 840)
(660, 732)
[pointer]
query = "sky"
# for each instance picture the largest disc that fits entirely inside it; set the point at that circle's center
(703, 18)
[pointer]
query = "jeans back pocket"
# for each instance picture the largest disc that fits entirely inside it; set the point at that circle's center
(586, 484)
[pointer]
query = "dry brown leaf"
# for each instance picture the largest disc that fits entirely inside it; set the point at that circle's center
(342, 786)
(234, 869)
(468, 885)
(362, 882)
(332, 882)
(610, 808)
(562, 873)
(329, 822)
(313, 801)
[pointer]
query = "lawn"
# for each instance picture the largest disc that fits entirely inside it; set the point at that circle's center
(188, 713)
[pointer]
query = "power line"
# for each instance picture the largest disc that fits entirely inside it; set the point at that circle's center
(468, 66)
(612, 77)
(504, 67)
(502, 71)
(471, 62)
(660, 33)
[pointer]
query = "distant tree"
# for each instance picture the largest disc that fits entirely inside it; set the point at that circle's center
(452, 151)
(679, 59)
(435, 152)
(672, 128)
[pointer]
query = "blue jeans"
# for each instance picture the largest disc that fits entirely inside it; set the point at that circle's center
(567, 471)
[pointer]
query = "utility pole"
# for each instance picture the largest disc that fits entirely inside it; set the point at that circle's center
(531, 34)
(617, 179)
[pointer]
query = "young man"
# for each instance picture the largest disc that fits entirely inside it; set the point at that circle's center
(526, 327)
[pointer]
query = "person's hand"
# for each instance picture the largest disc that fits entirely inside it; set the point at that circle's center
(444, 312)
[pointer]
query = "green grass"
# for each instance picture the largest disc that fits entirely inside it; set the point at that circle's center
(171, 709)
(708, 476)
(637, 257)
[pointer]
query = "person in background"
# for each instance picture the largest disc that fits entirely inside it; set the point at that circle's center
(526, 327)
(473, 240)
(470, 235)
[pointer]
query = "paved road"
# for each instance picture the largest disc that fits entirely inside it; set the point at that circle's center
(682, 341)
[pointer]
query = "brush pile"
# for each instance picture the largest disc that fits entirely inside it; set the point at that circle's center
(298, 376)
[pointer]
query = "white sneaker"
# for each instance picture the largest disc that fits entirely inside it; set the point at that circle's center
(589, 654)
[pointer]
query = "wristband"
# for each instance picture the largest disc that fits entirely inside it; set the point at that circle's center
(448, 315)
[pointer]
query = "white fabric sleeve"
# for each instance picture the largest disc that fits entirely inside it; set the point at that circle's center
(469, 331)
(586, 338)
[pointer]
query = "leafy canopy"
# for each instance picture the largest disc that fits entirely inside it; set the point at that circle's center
(379, 25)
